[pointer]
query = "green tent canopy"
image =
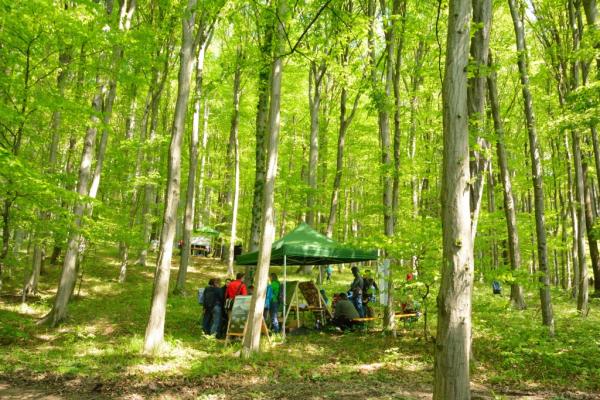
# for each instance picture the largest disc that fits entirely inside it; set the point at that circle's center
(305, 246)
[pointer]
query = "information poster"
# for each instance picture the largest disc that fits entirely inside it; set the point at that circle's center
(239, 314)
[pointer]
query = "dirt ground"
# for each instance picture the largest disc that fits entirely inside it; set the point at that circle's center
(212, 389)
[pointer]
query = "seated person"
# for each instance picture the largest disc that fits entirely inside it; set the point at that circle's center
(344, 312)
(408, 305)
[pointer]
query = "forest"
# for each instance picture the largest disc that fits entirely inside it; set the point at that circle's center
(455, 139)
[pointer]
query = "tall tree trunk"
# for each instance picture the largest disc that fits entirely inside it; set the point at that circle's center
(482, 17)
(589, 220)
(575, 222)
(251, 341)
(453, 340)
(582, 284)
(516, 291)
(69, 269)
(582, 297)
(262, 114)
(339, 165)
(383, 115)
(591, 15)
(149, 189)
(190, 196)
(202, 216)
(32, 279)
(399, 12)
(315, 77)
(416, 81)
(536, 168)
(234, 143)
(156, 323)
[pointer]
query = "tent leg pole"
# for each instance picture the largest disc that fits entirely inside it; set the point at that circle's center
(284, 294)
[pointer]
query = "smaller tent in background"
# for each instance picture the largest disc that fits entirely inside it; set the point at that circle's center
(206, 231)
(202, 240)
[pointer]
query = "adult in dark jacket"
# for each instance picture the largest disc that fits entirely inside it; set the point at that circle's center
(207, 304)
(344, 312)
(214, 298)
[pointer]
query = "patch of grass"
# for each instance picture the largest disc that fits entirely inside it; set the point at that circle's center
(102, 341)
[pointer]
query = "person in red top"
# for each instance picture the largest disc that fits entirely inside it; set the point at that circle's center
(236, 288)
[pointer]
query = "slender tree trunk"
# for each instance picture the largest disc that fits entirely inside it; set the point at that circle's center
(156, 323)
(575, 222)
(262, 114)
(345, 122)
(314, 99)
(516, 291)
(591, 14)
(31, 282)
(69, 270)
(416, 81)
(202, 216)
(589, 219)
(582, 297)
(399, 11)
(453, 338)
(581, 223)
(536, 169)
(383, 116)
(188, 219)
(482, 17)
(251, 342)
(131, 199)
(149, 189)
(5, 228)
(234, 142)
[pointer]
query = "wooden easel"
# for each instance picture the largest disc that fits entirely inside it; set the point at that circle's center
(292, 301)
(315, 300)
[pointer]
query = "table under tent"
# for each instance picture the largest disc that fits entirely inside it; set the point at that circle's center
(305, 246)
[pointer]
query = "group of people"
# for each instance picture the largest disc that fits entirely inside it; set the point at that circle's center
(217, 301)
(355, 303)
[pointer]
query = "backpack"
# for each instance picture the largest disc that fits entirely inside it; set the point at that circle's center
(497, 289)
(201, 296)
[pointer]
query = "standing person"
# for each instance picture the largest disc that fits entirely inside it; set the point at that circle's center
(237, 287)
(356, 288)
(218, 294)
(268, 298)
(233, 289)
(222, 329)
(274, 304)
(208, 303)
(370, 287)
(328, 271)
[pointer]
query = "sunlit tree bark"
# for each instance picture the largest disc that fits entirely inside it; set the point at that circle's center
(453, 339)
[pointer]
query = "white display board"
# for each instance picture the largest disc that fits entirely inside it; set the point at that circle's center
(383, 271)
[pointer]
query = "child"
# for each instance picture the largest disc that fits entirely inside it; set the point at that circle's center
(328, 271)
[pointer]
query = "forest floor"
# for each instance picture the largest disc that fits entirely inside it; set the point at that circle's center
(96, 353)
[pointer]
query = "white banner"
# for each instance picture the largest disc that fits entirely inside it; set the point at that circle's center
(383, 271)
